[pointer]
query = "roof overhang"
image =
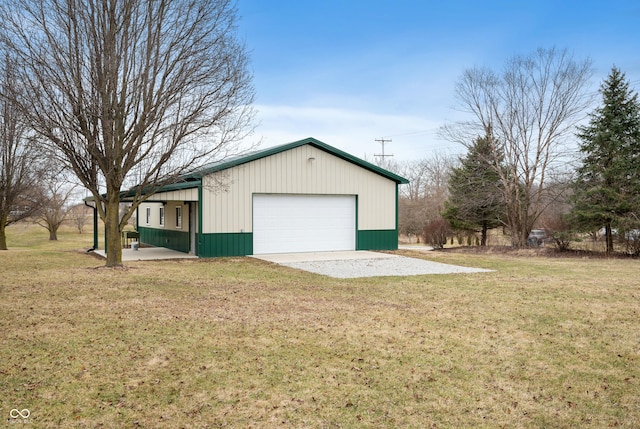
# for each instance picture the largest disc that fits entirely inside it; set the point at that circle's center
(194, 179)
(233, 162)
(129, 195)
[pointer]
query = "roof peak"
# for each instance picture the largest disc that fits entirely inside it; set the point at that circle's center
(263, 153)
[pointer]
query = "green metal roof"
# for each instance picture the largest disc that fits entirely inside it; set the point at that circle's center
(243, 159)
(184, 183)
(194, 179)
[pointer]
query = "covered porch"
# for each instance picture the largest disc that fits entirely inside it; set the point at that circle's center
(149, 254)
(166, 224)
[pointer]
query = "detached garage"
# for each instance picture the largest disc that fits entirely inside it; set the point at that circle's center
(304, 196)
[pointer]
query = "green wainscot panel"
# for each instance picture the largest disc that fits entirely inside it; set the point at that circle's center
(225, 244)
(382, 239)
(175, 240)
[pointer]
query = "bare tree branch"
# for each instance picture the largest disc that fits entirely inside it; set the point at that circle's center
(531, 110)
(20, 166)
(131, 92)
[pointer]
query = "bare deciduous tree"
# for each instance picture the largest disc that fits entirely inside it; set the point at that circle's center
(412, 205)
(422, 200)
(54, 206)
(79, 216)
(556, 206)
(19, 163)
(436, 184)
(131, 91)
(530, 110)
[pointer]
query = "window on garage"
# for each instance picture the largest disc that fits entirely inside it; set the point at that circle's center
(178, 217)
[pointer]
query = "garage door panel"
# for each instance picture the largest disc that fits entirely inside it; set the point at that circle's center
(303, 223)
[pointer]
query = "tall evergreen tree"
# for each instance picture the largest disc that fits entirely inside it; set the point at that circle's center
(476, 201)
(607, 188)
(531, 106)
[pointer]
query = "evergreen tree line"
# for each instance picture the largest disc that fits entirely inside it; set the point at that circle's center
(602, 198)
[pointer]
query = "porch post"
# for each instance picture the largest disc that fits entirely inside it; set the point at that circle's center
(95, 228)
(95, 225)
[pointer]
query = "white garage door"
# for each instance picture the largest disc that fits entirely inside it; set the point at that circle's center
(303, 223)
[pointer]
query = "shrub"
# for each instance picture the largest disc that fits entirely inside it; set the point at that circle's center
(436, 232)
(562, 240)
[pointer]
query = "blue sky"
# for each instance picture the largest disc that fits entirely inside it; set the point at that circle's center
(351, 71)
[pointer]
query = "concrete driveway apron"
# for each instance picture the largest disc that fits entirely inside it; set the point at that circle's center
(355, 264)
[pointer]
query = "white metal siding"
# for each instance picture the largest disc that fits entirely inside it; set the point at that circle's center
(169, 215)
(303, 223)
(180, 195)
(302, 170)
(154, 220)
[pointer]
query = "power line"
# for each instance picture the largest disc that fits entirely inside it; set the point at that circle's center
(410, 133)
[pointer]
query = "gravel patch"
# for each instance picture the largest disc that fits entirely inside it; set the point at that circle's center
(393, 265)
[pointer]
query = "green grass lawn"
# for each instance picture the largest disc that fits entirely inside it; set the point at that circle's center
(237, 342)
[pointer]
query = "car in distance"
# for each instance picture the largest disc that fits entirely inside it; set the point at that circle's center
(537, 237)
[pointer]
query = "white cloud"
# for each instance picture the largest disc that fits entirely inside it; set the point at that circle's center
(353, 131)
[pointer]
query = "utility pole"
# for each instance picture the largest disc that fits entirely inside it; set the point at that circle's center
(383, 141)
